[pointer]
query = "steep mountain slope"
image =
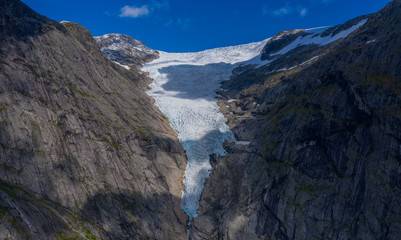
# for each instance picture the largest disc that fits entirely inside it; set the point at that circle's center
(84, 153)
(324, 155)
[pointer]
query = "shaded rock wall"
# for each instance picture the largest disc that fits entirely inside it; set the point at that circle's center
(324, 159)
(83, 151)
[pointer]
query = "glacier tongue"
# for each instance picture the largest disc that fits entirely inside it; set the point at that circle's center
(184, 88)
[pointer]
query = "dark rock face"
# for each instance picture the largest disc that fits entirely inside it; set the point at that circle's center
(84, 153)
(324, 159)
(125, 50)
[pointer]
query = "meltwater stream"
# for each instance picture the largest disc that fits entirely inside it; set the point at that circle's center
(184, 88)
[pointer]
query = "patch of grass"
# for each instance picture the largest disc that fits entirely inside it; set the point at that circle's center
(140, 132)
(61, 236)
(89, 235)
(84, 94)
(386, 81)
(3, 107)
(68, 25)
(113, 143)
(12, 190)
(133, 119)
(313, 188)
(8, 167)
(274, 79)
(5, 122)
(59, 126)
(18, 149)
(97, 140)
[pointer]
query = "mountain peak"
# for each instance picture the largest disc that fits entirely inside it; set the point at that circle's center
(125, 50)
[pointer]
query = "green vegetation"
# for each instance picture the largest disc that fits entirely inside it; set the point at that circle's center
(89, 235)
(133, 119)
(140, 132)
(80, 92)
(5, 122)
(113, 143)
(68, 25)
(3, 107)
(59, 126)
(61, 236)
(8, 167)
(313, 188)
(275, 79)
(381, 80)
(377, 78)
(97, 140)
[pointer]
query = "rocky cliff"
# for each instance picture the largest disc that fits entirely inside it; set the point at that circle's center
(84, 153)
(324, 155)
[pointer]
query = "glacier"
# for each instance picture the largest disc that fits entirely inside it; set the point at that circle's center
(184, 88)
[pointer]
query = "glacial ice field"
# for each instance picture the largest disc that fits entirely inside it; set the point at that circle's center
(184, 88)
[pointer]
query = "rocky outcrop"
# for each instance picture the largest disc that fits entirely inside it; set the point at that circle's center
(324, 158)
(125, 50)
(84, 153)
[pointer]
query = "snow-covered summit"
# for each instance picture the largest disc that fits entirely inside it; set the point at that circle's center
(125, 50)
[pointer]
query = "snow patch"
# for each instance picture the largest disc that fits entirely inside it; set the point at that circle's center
(124, 66)
(290, 68)
(315, 38)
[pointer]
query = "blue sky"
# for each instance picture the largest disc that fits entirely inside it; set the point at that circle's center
(193, 25)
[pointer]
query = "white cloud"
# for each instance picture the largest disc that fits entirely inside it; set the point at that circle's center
(286, 10)
(183, 22)
(163, 4)
(321, 1)
(134, 12)
(168, 23)
(302, 11)
(180, 22)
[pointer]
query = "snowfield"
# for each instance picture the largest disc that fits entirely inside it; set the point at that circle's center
(315, 38)
(184, 88)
